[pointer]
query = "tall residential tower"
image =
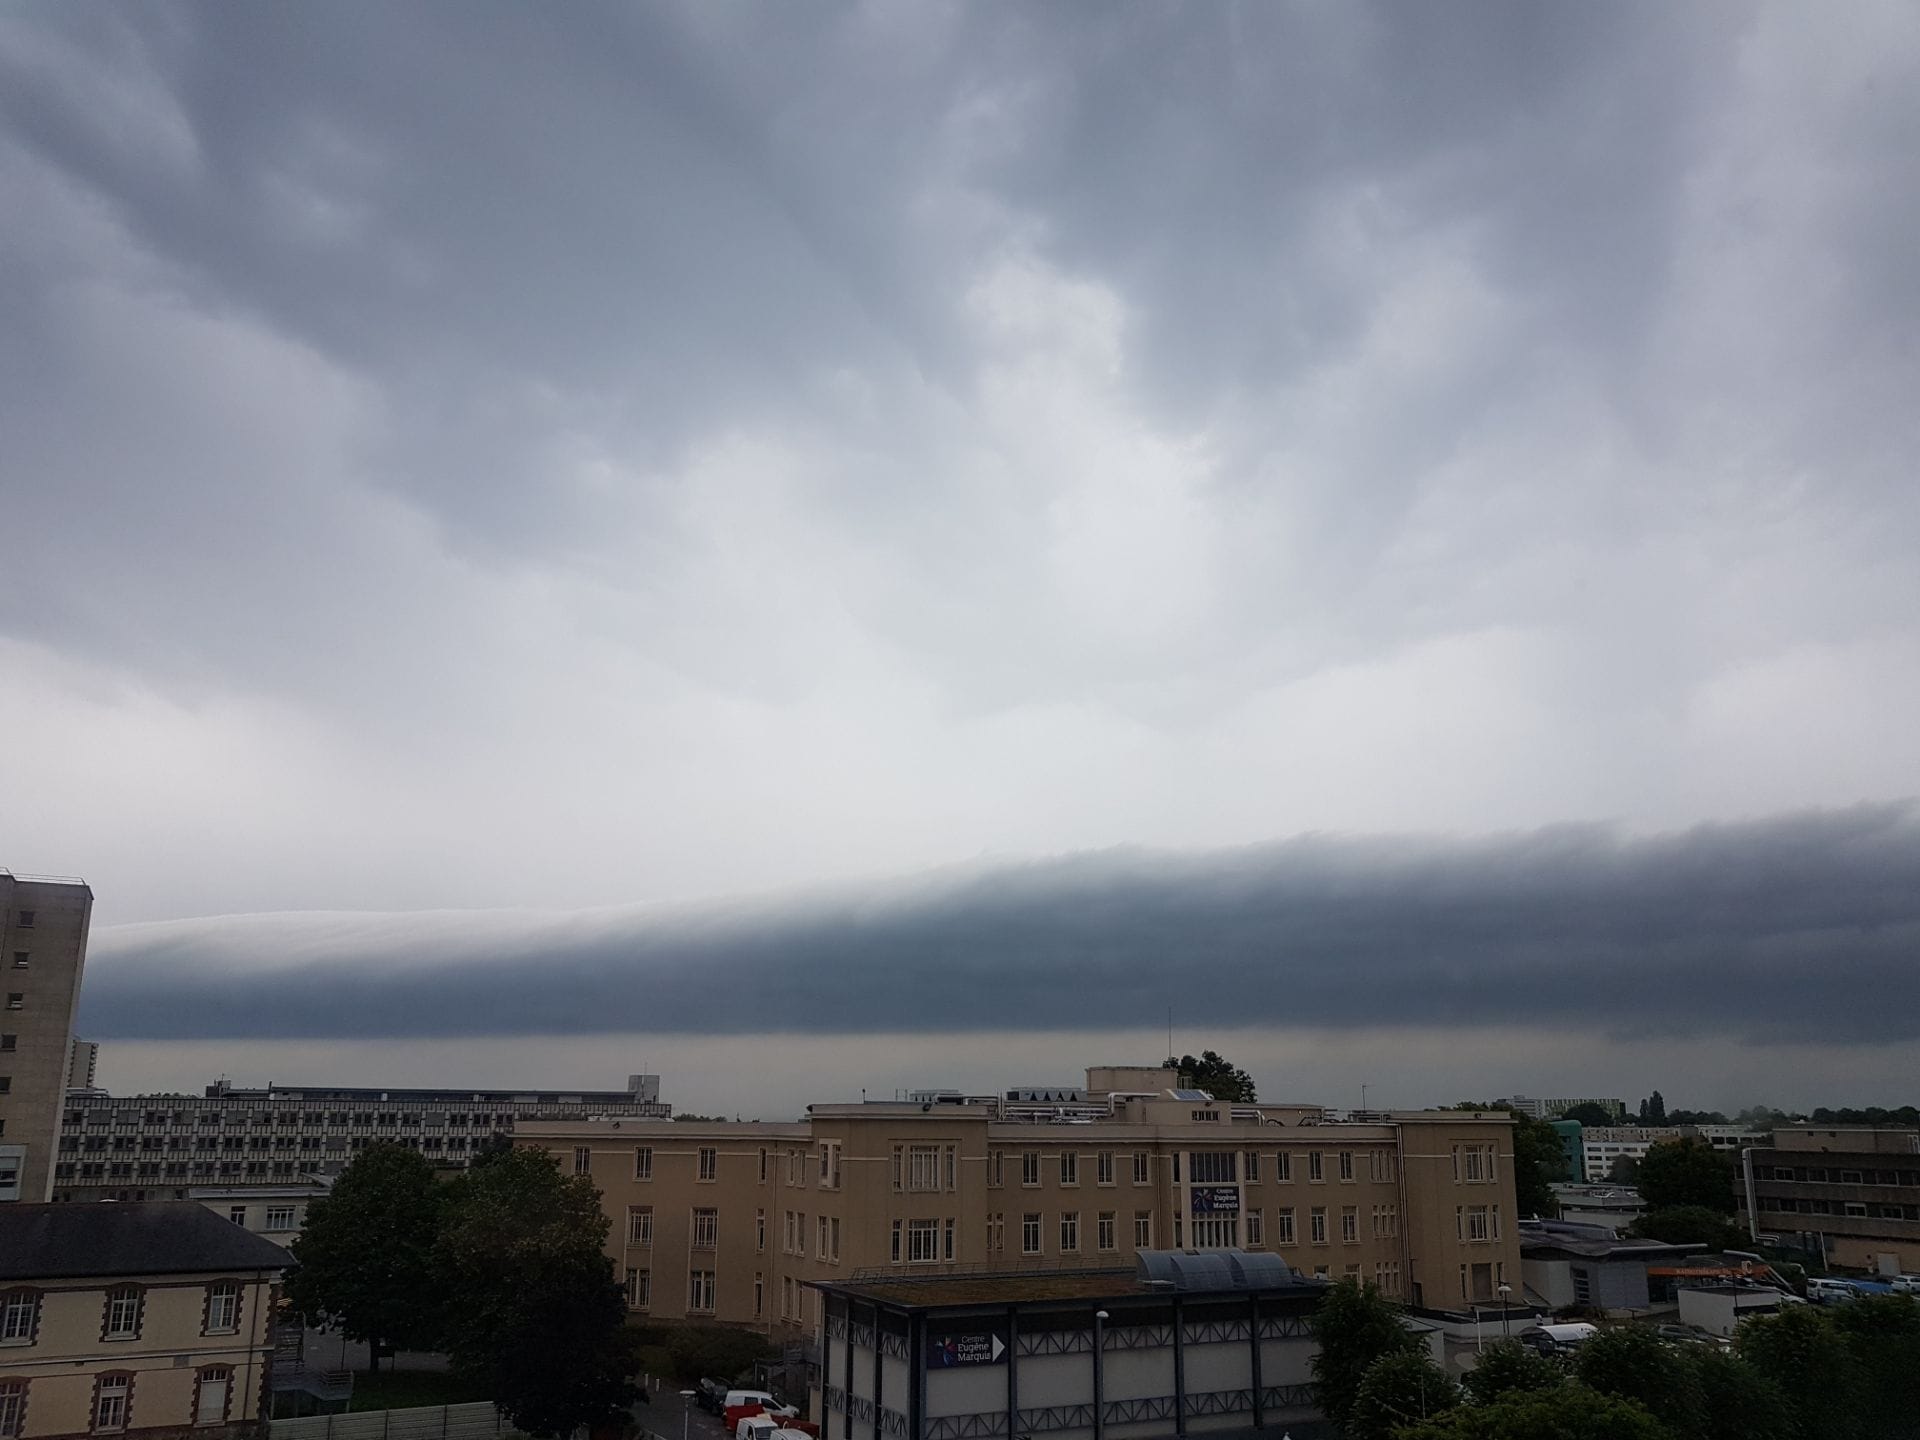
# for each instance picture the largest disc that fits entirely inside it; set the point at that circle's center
(43, 949)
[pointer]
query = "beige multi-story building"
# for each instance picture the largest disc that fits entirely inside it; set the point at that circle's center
(43, 949)
(146, 1319)
(1850, 1194)
(730, 1221)
(83, 1065)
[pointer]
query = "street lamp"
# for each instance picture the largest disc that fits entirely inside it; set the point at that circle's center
(1505, 1291)
(1100, 1318)
(686, 1412)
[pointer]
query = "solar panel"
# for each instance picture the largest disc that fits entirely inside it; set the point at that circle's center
(1193, 1096)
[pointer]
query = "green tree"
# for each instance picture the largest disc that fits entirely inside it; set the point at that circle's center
(1653, 1110)
(1695, 1117)
(1354, 1326)
(1632, 1363)
(1215, 1074)
(1624, 1170)
(1690, 1225)
(364, 1258)
(1737, 1402)
(722, 1351)
(1686, 1172)
(1567, 1412)
(534, 1313)
(1399, 1390)
(1882, 1332)
(1806, 1355)
(1507, 1366)
(1588, 1113)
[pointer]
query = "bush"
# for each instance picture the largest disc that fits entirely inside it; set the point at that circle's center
(720, 1351)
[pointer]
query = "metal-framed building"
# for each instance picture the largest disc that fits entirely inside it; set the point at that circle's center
(1187, 1343)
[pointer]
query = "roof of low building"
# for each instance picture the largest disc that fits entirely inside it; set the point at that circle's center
(154, 1237)
(1042, 1287)
(1593, 1242)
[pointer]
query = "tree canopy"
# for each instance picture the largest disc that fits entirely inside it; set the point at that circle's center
(1217, 1075)
(1653, 1110)
(1690, 1225)
(1686, 1172)
(1569, 1411)
(1507, 1365)
(1354, 1326)
(1399, 1390)
(364, 1258)
(534, 1312)
(1632, 1363)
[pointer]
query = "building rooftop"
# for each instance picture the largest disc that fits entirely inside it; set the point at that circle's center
(158, 1237)
(1259, 1273)
(1593, 1242)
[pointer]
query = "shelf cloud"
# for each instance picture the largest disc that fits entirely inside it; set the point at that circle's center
(1803, 926)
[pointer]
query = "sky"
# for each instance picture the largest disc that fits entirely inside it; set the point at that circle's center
(819, 547)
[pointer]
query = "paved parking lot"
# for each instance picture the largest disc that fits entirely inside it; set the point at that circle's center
(671, 1417)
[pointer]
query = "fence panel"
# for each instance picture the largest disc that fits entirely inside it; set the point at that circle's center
(475, 1421)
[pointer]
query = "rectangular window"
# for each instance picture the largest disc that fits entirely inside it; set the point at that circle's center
(950, 1237)
(643, 1162)
(1283, 1166)
(1317, 1225)
(122, 1321)
(639, 1287)
(1069, 1232)
(896, 1242)
(1103, 1168)
(280, 1218)
(639, 1224)
(953, 1162)
(700, 1291)
(582, 1160)
(899, 1168)
(709, 1163)
(21, 960)
(1030, 1234)
(763, 1164)
(1350, 1225)
(1253, 1167)
(111, 1397)
(821, 1248)
(760, 1231)
(786, 1237)
(1346, 1165)
(1314, 1170)
(1139, 1167)
(923, 1241)
(835, 1236)
(1478, 1227)
(759, 1293)
(995, 1172)
(238, 1215)
(25, 920)
(1069, 1169)
(16, 1001)
(1215, 1232)
(1256, 1228)
(1213, 1167)
(223, 1307)
(1106, 1233)
(1030, 1167)
(1283, 1225)
(13, 1408)
(19, 1316)
(211, 1409)
(706, 1229)
(923, 1167)
(1143, 1229)
(9, 1042)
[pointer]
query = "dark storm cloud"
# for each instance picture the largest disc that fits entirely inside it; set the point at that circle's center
(1804, 926)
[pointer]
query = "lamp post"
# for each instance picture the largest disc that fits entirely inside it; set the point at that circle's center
(1100, 1318)
(1505, 1291)
(686, 1412)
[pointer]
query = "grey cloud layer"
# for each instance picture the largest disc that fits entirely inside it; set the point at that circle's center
(1801, 927)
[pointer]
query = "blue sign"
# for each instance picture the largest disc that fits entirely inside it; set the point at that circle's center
(1214, 1200)
(946, 1352)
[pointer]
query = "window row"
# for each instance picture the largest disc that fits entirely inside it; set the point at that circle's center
(122, 1313)
(112, 1410)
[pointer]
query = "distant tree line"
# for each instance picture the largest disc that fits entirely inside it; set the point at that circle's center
(1849, 1372)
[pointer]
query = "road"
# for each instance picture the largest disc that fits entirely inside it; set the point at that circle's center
(672, 1416)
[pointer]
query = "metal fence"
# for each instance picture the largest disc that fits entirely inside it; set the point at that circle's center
(475, 1421)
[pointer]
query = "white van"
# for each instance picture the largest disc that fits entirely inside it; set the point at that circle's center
(1558, 1339)
(1831, 1292)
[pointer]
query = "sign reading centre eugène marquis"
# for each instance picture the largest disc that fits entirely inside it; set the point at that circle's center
(981, 1347)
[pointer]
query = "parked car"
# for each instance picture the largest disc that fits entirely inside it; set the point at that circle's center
(711, 1395)
(1904, 1284)
(742, 1403)
(1682, 1334)
(1558, 1339)
(1831, 1292)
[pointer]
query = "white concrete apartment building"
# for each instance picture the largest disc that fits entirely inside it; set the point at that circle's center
(162, 1147)
(1601, 1145)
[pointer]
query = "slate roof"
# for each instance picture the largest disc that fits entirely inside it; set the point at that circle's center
(154, 1237)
